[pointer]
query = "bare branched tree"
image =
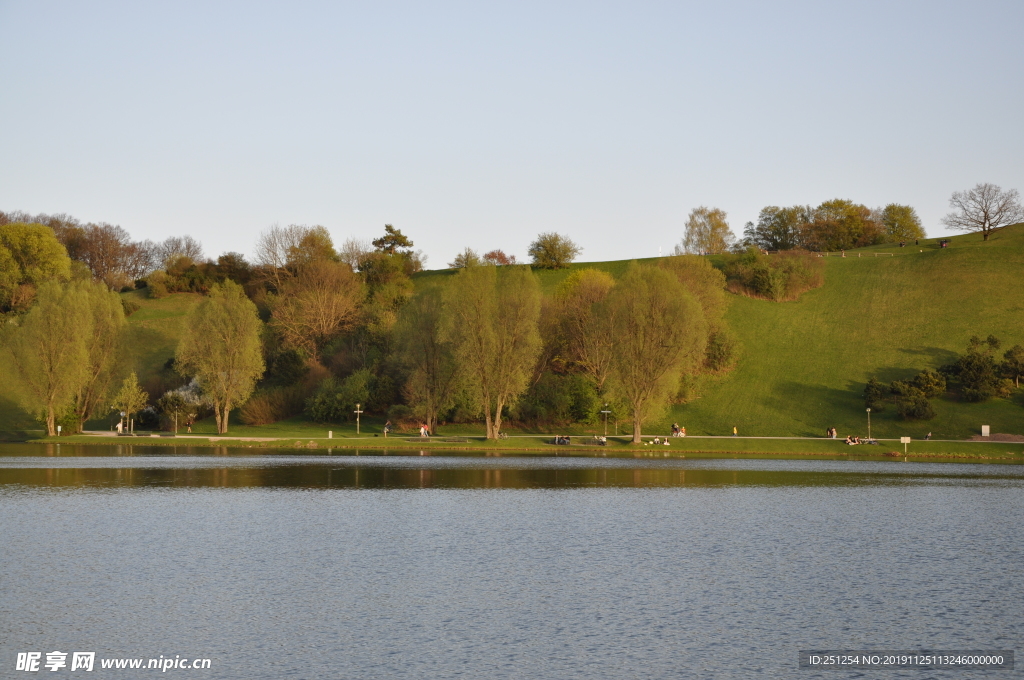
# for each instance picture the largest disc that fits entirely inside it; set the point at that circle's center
(984, 208)
(178, 246)
(353, 251)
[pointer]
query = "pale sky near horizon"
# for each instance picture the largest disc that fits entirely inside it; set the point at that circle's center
(484, 124)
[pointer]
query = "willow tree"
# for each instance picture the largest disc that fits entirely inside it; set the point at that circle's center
(490, 317)
(221, 347)
(421, 347)
(50, 356)
(103, 347)
(588, 340)
(660, 330)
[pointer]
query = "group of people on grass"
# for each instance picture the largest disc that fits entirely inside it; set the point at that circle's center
(678, 431)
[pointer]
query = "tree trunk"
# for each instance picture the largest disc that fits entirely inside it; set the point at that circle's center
(51, 422)
(984, 235)
(223, 422)
(489, 422)
(497, 420)
(637, 429)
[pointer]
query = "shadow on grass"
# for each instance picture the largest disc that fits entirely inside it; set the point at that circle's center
(824, 404)
(937, 356)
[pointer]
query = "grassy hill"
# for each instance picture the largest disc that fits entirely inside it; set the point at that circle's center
(883, 312)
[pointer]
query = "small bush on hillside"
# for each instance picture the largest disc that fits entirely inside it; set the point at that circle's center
(914, 408)
(721, 351)
(156, 285)
(779, 277)
(130, 306)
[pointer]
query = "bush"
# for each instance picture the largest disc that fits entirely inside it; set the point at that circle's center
(559, 400)
(402, 417)
(129, 306)
(874, 395)
(780, 277)
(931, 383)
(156, 285)
(914, 408)
(720, 353)
(271, 405)
(553, 251)
(336, 400)
(977, 372)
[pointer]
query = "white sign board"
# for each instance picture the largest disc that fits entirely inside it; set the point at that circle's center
(904, 440)
(984, 431)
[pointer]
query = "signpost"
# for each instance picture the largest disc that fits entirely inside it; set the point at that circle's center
(904, 441)
(606, 412)
(358, 413)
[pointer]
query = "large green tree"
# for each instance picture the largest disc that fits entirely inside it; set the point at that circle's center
(29, 255)
(661, 330)
(776, 229)
(421, 348)
(104, 345)
(901, 223)
(553, 251)
(50, 355)
(840, 224)
(221, 347)
(490, 318)
(589, 342)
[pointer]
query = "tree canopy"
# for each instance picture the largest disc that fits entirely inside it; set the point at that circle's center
(553, 251)
(984, 209)
(707, 232)
(221, 347)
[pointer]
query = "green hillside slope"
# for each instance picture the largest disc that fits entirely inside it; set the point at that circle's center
(805, 363)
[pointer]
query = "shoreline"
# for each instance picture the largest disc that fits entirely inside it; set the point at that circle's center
(529, 445)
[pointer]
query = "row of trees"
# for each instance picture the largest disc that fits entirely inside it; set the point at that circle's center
(489, 334)
(841, 224)
(834, 225)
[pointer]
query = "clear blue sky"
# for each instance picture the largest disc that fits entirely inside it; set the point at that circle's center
(482, 124)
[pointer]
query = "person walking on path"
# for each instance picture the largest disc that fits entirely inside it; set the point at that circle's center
(734, 433)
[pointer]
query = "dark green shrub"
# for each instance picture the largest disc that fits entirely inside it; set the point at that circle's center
(130, 306)
(875, 395)
(335, 400)
(782, 276)
(720, 353)
(914, 408)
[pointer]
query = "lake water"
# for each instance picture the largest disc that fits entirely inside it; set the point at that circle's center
(296, 566)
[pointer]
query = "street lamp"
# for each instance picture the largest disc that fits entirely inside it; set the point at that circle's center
(869, 423)
(606, 412)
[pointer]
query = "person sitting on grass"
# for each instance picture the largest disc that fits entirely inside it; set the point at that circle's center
(848, 440)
